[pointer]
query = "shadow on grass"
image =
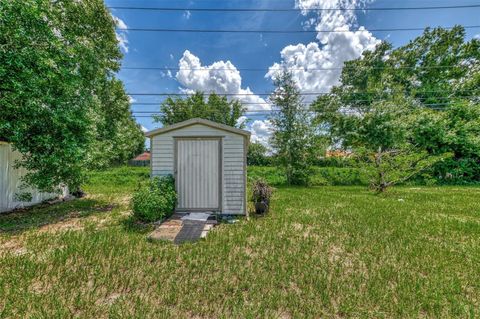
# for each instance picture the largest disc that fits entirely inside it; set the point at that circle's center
(45, 214)
(132, 225)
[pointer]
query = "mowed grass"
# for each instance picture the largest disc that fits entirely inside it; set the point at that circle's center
(322, 252)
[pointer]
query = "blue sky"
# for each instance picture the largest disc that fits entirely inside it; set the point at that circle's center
(158, 49)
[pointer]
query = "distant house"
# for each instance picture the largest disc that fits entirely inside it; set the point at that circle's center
(338, 154)
(11, 182)
(141, 160)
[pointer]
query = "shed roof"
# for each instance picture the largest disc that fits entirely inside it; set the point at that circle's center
(194, 121)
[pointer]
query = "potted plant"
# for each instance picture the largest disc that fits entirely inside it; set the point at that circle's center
(261, 193)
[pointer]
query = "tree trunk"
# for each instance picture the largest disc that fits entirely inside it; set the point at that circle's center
(382, 184)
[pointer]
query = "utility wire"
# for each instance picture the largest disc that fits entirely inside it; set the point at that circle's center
(296, 69)
(294, 10)
(283, 31)
(276, 110)
(356, 101)
(305, 93)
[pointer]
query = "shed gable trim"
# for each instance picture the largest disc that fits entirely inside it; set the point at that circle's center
(197, 121)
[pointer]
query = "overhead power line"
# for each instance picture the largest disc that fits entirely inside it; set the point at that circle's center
(297, 69)
(433, 106)
(304, 93)
(266, 112)
(282, 31)
(167, 9)
(356, 101)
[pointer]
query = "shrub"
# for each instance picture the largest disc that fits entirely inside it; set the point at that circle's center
(261, 193)
(336, 161)
(271, 174)
(321, 176)
(257, 155)
(338, 176)
(155, 199)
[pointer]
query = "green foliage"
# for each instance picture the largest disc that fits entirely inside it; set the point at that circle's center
(457, 171)
(386, 168)
(437, 64)
(57, 62)
(214, 108)
(257, 155)
(337, 161)
(340, 176)
(155, 199)
(271, 174)
(320, 176)
(420, 96)
(293, 138)
(383, 124)
(118, 137)
(23, 197)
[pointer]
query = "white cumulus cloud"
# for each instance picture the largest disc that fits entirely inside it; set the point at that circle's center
(316, 66)
(220, 77)
(242, 120)
(121, 35)
(261, 131)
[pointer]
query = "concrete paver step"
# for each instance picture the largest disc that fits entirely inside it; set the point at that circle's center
(180, 228)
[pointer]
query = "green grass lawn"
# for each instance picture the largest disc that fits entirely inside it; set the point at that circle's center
(322, 252)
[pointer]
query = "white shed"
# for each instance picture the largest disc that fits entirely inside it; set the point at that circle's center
(208, 161)
(11, 182)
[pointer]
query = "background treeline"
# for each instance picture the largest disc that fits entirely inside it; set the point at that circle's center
(410, 113)
(403, 114)
(61, 105)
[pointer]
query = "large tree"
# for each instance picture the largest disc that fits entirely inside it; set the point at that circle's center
(293, 138)
(215, 107)
(433, 84)
(57, 63)
(118, 137)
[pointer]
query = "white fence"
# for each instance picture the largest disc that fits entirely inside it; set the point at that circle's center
(10, 182)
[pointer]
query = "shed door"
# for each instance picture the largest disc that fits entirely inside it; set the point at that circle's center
(198, 174)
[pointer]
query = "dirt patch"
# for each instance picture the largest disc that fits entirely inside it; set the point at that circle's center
(39, 287)
(335, 253)
(14, 246)
(65, 225)
(109, 300)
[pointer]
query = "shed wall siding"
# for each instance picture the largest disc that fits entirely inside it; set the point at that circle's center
(233, 161)
(10, 182)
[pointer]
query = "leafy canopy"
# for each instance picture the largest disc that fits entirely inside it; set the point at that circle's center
(214, 108)
(58, 97)
(258, 155)
(293, 137)
(420, 97)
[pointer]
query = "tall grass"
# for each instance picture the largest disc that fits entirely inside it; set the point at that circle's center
(321, 252)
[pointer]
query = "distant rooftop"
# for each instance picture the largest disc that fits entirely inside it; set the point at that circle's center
(143, 157)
